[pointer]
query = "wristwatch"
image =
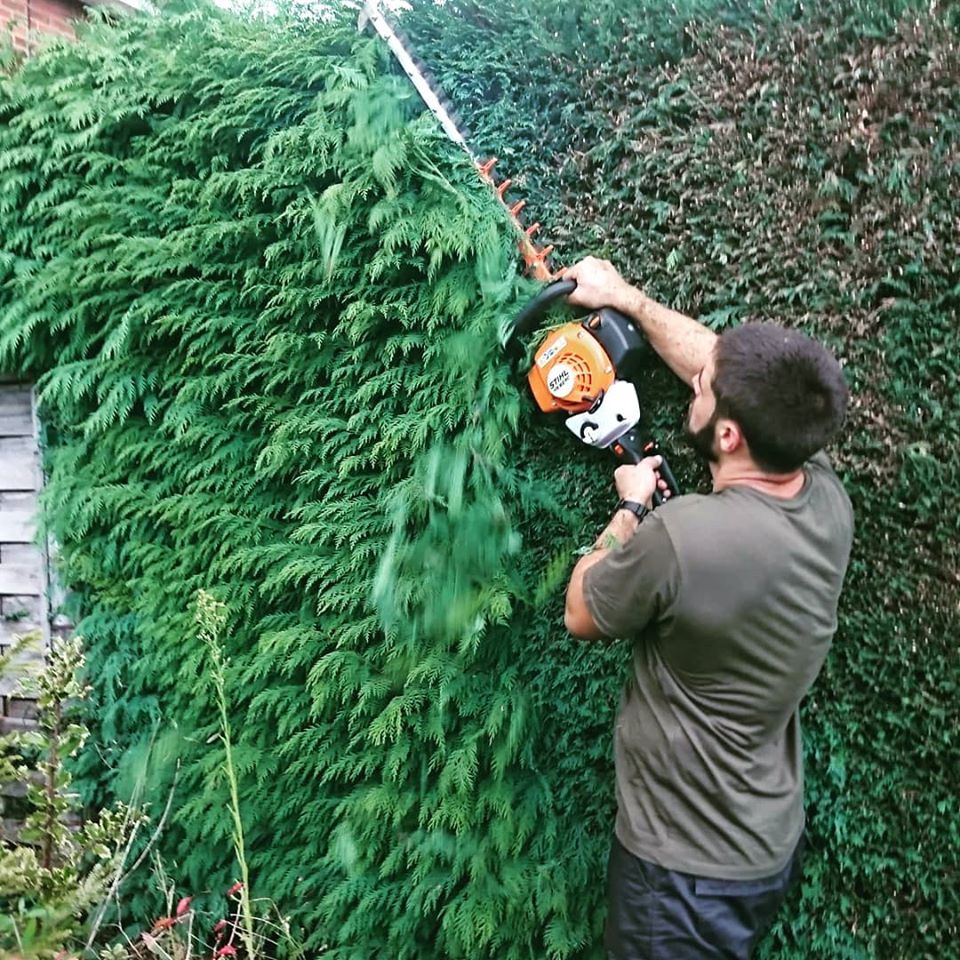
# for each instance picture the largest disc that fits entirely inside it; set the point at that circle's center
(637, 509)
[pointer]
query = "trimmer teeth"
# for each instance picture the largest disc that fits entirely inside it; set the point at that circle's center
(426, 85)
(534, 259)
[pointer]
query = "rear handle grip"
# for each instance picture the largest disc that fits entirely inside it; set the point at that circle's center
(628, 450)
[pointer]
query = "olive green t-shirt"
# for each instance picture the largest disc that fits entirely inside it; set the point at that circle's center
(732, 601)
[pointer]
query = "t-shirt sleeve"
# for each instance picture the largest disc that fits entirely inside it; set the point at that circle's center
(821, 461)
(819, 464)
(634, 583)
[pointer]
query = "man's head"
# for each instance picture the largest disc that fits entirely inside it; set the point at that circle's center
(774, 391)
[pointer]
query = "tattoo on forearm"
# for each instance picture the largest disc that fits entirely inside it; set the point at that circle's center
(607, 541)
(617, 532)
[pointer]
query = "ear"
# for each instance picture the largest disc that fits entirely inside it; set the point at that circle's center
(729, 437)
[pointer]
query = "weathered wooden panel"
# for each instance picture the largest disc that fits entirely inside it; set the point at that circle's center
(10, 830)
(26, 637)
(18, 609)
(20, 708)
(23, 572)
(18, 517)
(22, 664)
(19, 464)
(21, 788)
(12, 630)
(17, 724)
(22, 554)
(20, 679)
(16, 411)
(20, 578)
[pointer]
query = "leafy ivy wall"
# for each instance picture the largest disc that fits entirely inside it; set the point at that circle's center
(795, 162)
(261, 296)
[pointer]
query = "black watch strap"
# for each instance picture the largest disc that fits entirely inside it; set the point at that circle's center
(637, 509)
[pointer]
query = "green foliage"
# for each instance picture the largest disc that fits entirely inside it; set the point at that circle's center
(261, 296)
(55, 872)
(794, 162)
(211, 616)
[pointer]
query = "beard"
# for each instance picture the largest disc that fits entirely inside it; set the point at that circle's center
(702, 441)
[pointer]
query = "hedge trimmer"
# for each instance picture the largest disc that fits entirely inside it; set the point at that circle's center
(534, 258)
(584, 369)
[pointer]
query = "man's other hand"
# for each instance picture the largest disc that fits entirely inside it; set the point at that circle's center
(637, 482)
(599, 284)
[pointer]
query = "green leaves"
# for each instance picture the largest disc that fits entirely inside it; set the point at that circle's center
(262, 296)
(763, 161)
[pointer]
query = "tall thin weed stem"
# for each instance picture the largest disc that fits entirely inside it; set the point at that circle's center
(211, 617)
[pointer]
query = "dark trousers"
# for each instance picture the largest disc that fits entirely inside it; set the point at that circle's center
(659, 914)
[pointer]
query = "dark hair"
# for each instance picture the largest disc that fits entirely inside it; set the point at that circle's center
(785, 390)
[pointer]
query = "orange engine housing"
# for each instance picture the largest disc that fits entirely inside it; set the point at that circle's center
(570, 370)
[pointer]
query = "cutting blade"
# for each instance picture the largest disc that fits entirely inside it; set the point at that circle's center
(535, 259)
(373, 13)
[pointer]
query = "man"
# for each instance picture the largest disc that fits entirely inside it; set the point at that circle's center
(731, 600)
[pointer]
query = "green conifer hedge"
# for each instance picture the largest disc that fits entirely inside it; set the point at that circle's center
(800, 163)
(261, 297)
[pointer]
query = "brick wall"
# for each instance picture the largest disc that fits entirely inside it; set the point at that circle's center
(30, 20)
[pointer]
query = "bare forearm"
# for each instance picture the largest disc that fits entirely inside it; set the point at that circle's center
(682, 342)
(622, 526)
